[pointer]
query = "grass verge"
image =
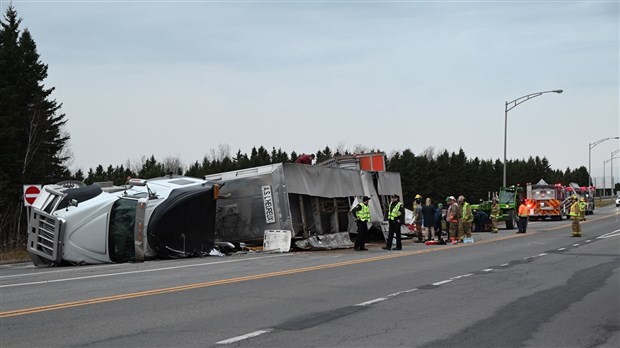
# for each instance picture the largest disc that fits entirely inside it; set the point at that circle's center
(14, 256)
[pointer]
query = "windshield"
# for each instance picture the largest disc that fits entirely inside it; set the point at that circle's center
(506, 197)
(120, 237)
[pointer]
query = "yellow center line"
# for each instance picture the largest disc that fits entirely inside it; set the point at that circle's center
(97, 300)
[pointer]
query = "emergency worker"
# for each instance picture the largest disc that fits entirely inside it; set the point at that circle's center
(467, 218)
(395, 216)
(495, 211)
(523, 214)
(583, 207)
(452, 218)
(418, 217)
(362, 218)
(575, 216)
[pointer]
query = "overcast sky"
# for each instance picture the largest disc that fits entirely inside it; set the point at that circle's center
(178, 78)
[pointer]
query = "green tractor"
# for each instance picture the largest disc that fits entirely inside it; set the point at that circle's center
(509, 198)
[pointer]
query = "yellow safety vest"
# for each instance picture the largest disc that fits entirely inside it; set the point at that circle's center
(395, 211)
(582, 206)
(574, 209)
(364, 213)
(467, 215)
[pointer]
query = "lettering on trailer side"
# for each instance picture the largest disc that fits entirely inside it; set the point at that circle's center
(270, 215)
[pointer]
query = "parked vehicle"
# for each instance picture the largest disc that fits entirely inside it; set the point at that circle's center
(545, 200)
(508, 202)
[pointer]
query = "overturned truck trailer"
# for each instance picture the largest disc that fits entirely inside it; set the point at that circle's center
(160, 218)
(313, 202)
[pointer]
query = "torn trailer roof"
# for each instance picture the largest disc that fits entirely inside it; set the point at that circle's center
(311, 201)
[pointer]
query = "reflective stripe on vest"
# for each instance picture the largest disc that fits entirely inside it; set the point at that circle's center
(364, 213)
(467, 215)
(395, 212)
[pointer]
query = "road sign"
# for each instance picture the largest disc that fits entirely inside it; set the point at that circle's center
(31, 192)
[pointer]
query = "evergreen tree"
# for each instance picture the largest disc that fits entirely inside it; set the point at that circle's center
(31, 149)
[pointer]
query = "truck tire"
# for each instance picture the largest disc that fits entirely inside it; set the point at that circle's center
(510, 220)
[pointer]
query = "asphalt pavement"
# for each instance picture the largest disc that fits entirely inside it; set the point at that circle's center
(541, 289)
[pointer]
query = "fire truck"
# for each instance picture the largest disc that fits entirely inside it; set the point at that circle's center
(585, 192)
(545, 200)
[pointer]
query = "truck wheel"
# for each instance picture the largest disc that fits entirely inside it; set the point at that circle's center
(510, 220)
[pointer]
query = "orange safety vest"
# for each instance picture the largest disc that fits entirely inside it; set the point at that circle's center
(523, 211)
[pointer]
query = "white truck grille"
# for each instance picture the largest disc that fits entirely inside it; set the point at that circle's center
(44, 236)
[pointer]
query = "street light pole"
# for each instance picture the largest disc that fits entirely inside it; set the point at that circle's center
(612, 170)
(511, 105)
(590, 147)
(604, 186)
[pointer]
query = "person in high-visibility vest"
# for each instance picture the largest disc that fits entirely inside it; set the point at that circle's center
(362, 218)
(395, 217)
(575, 215)
(583, 206)
(467, 218)
(495, 211)
(523, 214)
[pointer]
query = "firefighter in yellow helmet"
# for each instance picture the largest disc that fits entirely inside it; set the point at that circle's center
(417, 218)
(583, 207)
(575, 215)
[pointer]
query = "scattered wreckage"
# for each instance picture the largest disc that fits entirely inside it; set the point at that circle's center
(177, 216)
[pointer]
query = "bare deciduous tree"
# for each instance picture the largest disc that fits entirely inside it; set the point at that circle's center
(173, 164)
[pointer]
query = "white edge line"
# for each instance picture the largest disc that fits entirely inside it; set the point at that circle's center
(588, 241)
(562, 249)
(542, 254)
(401, 292)
(487, 270)
(243, 337)
(576, 244)
(504, 264)
(442, 282)
(134, 272)
(380, 299)
(462, 276)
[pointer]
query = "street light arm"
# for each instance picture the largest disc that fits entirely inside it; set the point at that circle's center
(592, 145)
(528, 97)
(609, 160)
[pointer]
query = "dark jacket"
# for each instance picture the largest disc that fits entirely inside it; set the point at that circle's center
(428, 212)
(438, 217)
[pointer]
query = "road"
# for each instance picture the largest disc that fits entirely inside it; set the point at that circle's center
(541, 289)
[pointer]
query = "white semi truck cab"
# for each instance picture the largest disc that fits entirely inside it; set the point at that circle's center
(166, 217)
